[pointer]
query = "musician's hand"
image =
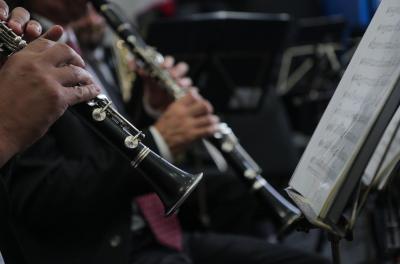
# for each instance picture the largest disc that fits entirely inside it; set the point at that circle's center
(185, 121)
(36, 87)
(19, 21)
(155, 95)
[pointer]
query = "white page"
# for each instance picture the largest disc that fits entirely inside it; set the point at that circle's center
(356, 104)
(385, 151)
(390, 161)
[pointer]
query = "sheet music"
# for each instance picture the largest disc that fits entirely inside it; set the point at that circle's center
(390, 161)
(355, 106)
(385, 152)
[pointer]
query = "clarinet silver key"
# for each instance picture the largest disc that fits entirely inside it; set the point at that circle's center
(9, 41)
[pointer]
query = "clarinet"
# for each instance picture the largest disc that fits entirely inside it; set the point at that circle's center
(171, 184)
(224, 139)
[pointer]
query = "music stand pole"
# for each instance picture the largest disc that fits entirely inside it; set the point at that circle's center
(335, 247)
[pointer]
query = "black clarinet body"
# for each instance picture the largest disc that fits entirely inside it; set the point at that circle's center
(224, 140)
(242, 163)
(170, 183)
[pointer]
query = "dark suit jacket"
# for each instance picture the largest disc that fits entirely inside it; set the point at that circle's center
(71, 195)
(9, 246)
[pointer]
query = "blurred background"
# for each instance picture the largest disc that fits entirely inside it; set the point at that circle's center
(296, 51)
(243, 53)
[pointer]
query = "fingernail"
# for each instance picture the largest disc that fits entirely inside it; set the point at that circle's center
(4, 14)
(37, 28)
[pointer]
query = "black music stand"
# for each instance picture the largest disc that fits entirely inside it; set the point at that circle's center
(314, 30)
(232, 54)
(311, 69)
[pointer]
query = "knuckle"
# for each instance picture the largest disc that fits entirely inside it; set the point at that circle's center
(90, 92)
(210, 120)
(47, 82)
(82, 93)
(32, 67)
(65, 49)
(63, 46)
(75, 72)
(188, 122)
(51, 90)
(79, 94)
(203, 107)
(42, 43)
(54, 94)
(36, 67)
(209, 107)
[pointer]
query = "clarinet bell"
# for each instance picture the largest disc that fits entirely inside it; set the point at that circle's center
(171, 184)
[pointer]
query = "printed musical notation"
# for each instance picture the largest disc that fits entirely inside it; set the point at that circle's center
(389, 45)
(376, 82)
(355, 106)
(390, 162)
(386, 150)
(381, 63)
(393, 11)
(389, 28)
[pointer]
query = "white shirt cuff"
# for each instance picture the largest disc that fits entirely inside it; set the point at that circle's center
(149, 109)
(165, 152)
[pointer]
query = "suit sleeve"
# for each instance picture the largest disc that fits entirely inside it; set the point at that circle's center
(71, 172)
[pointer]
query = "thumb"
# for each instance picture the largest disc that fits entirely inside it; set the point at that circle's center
(54, 33)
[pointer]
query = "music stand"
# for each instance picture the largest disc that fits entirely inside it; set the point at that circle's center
(310, 60)
(352, 195)
(231, 54)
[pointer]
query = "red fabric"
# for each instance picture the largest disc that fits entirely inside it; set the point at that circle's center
(167, 230)
(168, 8)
